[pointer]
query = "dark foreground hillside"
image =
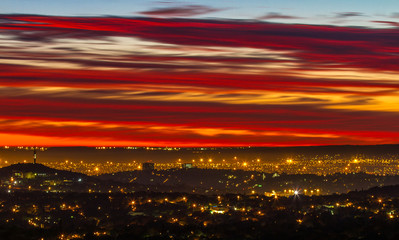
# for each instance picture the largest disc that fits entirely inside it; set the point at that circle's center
(371, 214)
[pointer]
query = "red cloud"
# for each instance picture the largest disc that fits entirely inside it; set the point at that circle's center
(311, 45)
(394, 24)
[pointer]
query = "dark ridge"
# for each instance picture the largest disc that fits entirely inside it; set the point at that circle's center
(8, 171)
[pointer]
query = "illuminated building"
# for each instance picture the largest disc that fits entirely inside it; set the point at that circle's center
(187, 165)
(148, 166)
(34, 156)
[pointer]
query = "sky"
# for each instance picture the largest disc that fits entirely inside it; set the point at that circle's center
(199, 73)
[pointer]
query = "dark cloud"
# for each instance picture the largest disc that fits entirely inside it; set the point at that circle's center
(182, 11)
(275, 15)
(395, 15)
(348, 14)
(393, 24)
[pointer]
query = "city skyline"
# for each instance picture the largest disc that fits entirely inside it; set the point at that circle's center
(199, 73)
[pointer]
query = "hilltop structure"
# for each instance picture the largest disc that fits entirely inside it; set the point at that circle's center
(34, 156)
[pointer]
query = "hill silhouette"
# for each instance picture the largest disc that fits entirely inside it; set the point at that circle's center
(39, 170)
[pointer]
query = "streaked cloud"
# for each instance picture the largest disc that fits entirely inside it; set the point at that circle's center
(395, 15)
(160, 81)
(313, 45)
(276, 15)
(389, 23)
(180, 11)
(349, 14)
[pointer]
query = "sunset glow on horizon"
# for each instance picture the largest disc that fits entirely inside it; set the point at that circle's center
(182, 75)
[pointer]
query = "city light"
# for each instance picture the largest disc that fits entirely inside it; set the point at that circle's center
(184, 194)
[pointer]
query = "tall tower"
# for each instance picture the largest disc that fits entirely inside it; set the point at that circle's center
(34, 156)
